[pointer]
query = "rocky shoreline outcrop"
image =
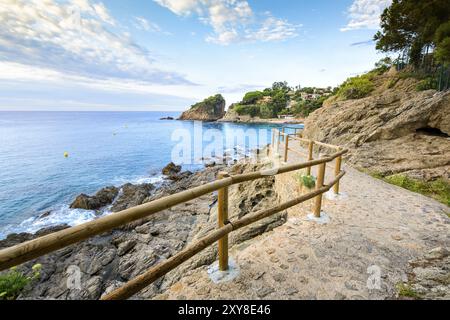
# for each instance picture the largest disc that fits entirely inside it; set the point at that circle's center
(102, 198)
(395, 130)
(210, 109)
(107, 261)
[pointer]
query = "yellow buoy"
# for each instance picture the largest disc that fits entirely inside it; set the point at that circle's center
(66, 154)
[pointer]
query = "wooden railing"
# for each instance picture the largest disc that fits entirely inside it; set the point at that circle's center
(285, 138)
(30, 250)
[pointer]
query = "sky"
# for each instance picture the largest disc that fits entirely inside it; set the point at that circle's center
(165, 55)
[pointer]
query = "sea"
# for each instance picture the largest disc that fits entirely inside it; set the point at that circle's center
(48, 158)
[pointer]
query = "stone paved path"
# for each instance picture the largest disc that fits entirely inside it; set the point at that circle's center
(378, 227)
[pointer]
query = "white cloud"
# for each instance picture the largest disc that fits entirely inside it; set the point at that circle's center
(76, 37)
(181, 7)
(21, 73)
(274, 29)
(233, 20)
(143, 24)
(365, 14)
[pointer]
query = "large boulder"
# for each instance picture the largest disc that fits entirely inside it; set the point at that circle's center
(102, 198)
(392, 131)
(210, 109)
(171, 169)
(131, 196)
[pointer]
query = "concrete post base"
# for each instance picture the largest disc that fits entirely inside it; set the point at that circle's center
(324, 218)
(330, 195)
(218, 276)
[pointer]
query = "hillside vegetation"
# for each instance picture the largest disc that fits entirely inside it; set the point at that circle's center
(281, 99)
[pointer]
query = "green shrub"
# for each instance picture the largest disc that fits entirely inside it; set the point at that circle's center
(442, 40)
(305, 107)
(279, 101)
(307, 181)
(442, 52)
(427, 84)
(13, 282)
(252, 97)
(266, 111)
(412, 73)
(356, 87)
(250, 110)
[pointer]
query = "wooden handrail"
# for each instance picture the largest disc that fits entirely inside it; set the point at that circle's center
(30, 250)
(137, 284)
(35, 248)
(326, 145)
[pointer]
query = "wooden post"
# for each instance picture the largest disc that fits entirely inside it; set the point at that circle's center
(286, 149)
(278, 142)
(310, 156)
(222, 216)
(284, 131)
(337, 171)
(320, 181)
(273, 139)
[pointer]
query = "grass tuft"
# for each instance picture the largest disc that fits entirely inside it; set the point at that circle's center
(438, 189)
(406, 291)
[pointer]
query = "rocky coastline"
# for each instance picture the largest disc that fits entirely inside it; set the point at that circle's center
(212, 109)
(108, 261)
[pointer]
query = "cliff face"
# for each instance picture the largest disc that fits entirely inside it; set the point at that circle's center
(397, 130)
(210, 109)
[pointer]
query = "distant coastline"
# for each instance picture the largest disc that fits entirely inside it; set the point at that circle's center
(249, 121)
(265, 121)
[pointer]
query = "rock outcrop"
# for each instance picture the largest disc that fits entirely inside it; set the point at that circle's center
(171, 169)
(173, 172)
(210, 109)
(429, 276)
(107, 261)
(397, 130)
(102, 198)
(132, 195)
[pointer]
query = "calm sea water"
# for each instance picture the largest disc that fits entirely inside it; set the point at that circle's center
(104, 148)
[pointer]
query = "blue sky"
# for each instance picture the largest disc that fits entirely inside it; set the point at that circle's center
(164, 55)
